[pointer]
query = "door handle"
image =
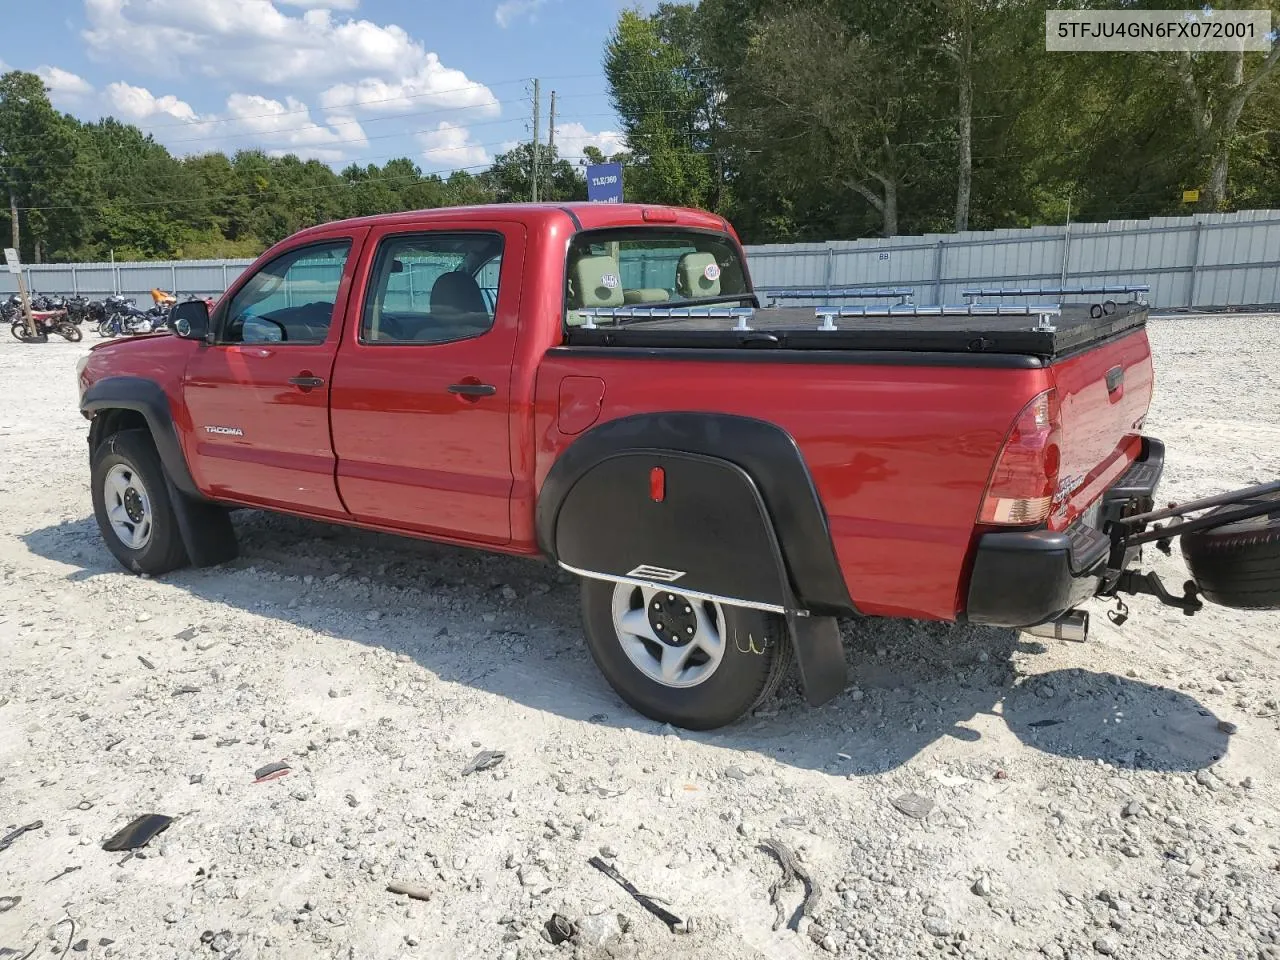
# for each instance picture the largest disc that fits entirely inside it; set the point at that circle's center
(473, 389)
(307, 383)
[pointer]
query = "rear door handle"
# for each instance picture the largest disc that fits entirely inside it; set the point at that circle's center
(307, 382)
(473, 389)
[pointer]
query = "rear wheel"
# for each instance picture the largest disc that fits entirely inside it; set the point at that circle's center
(131, 504)
(692, 663)
(19, 330)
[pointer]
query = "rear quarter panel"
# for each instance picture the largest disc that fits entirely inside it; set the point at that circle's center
(900, 455)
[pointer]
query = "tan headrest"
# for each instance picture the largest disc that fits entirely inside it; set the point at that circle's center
(598, 282)
(698, 275)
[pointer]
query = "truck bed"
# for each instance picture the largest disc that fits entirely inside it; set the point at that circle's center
(797, 328)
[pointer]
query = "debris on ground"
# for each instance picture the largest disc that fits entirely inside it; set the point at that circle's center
(64, 872)
(674, 923)
(138, 832)
(558, 929)
(411, 890)
(272, 771)
(10, 838)
(792, 870)
(484, 760)
(913, 805)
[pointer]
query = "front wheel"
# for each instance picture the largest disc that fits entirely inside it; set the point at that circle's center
(131, 504)
(691, 663)
(69, 331)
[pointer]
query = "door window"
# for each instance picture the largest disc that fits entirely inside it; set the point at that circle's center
(291, 299)
(432, 288)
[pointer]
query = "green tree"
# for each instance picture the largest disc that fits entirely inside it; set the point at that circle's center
(669, 101)
(43, 170)
(510, 181)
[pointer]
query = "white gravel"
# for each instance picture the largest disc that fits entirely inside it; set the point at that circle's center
(1117, 798)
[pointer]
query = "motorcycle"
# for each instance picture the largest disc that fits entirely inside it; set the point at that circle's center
(123, 318)
(46, 320)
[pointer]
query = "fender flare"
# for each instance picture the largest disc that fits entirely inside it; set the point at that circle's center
(149, 399)
(762, 454)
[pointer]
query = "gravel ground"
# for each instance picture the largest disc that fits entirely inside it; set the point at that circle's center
(1115, 798)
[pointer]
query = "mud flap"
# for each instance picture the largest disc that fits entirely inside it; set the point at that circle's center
(206, 530)
(820, 656)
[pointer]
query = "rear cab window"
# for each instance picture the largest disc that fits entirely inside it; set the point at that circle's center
(652, 267)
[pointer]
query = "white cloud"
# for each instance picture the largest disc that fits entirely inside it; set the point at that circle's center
(138, 104)
(431, 85)
(449, 147)
(64, 86)
(254, 41)
(287, 127)
(511, 10)
(323, 4)
(572, 138)
(277, 126)
(4, 67)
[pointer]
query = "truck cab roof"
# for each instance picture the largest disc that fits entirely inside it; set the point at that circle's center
(582, 216)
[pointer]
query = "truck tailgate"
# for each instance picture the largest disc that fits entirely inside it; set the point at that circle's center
(1104, 391)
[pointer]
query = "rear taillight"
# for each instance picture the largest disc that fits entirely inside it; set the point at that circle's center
(1025, 477)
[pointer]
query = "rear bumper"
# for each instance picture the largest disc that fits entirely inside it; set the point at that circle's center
(1023, 578)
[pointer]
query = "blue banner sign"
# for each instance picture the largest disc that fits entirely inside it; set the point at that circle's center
(604, 183)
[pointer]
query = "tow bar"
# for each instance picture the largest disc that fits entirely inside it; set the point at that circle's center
(1128, 534)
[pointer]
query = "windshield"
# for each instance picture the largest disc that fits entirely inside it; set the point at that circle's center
(648, 266)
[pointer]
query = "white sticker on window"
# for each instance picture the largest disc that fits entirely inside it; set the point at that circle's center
(610, 280)
(712, 272)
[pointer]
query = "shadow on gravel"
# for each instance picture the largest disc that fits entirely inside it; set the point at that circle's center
(913, 683)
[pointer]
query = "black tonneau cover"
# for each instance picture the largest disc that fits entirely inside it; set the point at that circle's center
(797, 328)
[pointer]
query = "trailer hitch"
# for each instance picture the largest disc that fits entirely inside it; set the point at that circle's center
(1129, 533)
(1131, 581)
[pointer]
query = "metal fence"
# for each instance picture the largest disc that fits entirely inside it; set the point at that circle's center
(1207, 260)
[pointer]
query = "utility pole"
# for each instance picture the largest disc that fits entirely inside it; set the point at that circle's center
(13, 218)
(533, 163)
(551, 141)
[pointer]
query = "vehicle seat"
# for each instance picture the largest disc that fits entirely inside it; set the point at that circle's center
(691, 275)
(598, 282)
(593, 282)
(646, 295)
(456, 293)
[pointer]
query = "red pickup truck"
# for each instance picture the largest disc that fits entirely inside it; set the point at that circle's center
(601, 385)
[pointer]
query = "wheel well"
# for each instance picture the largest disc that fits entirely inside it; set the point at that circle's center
(107, 423)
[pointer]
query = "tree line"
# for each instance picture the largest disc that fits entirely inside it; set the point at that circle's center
(796, 119)
(825, 119)
(84, 191)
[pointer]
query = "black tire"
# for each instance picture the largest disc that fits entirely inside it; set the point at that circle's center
(1238, 564)
(164, 550)
(19, 330)
(69, 331)
(748, 674)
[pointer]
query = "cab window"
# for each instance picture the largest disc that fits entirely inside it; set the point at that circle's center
(432, 288)
(291, 299)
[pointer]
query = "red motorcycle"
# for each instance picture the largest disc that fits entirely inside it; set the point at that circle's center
(46, 322)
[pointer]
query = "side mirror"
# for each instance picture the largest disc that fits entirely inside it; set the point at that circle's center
(190, 320)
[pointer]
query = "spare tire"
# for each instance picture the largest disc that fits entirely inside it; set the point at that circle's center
(1238, 563)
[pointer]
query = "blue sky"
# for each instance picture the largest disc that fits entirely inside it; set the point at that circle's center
(445, 82)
